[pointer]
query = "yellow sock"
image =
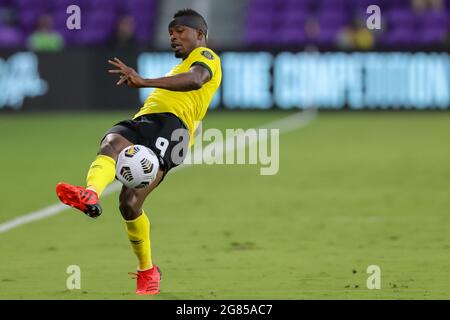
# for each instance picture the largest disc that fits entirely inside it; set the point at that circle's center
(101, 173)
(139, 235)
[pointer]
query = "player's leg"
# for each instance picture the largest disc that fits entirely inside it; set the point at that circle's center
(137, 225)
(101, 173)
(103, 170)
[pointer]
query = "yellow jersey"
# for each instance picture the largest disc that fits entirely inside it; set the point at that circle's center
(189, 106)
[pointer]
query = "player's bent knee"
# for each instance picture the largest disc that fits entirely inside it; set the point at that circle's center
(112, 144)
(106, 148)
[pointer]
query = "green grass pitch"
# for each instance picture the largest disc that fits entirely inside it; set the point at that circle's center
(353, 190)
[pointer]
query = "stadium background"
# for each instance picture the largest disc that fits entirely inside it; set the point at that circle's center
(365, 182)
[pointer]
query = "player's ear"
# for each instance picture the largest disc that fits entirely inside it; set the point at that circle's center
(201, 35)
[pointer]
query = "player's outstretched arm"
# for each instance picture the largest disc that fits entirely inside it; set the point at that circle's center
(194, 79)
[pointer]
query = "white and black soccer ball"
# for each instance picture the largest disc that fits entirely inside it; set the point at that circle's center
(137, 166)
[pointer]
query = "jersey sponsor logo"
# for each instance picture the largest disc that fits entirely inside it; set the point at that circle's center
(207, 55)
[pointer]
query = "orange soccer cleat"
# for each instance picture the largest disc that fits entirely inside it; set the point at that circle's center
(148, 281)
(79, 198)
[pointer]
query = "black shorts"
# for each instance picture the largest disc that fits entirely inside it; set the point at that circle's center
(164, 133)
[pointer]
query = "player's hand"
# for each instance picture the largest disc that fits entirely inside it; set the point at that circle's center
(127, 74)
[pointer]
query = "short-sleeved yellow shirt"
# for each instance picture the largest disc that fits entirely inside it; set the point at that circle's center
(189, 106)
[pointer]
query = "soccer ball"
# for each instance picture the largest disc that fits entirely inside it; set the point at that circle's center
(137, 166)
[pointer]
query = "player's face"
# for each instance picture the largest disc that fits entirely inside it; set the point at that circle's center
(183, 40)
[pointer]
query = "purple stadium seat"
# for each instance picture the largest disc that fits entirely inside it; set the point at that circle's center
(264, 4)
(403, 4)
(63, 4)
(332, 18)
(144, 28)
(99, 18)
(107, 5)
(431, 36)
(287, 19)
(260, 16)
(28, 18)
(404, 18)
(434, 19)
(143, 6)
(292, 37)
(92, 37)
(143, 12)
(260, 19)
(293, 18)
(11, 37)
(328, 35)
(59, 20)
(99, 21)
(333, 5)
(398, 37)
(297, 5)
(259, 36)
(29, 4)
(292, 10)
(364, 4)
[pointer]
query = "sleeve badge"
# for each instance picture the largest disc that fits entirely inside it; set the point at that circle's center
(207, 55)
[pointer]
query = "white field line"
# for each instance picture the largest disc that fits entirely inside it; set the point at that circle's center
(290, 123)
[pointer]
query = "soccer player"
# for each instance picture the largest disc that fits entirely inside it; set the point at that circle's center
(179, 101)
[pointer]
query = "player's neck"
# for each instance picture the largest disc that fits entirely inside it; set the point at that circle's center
(203, 45)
